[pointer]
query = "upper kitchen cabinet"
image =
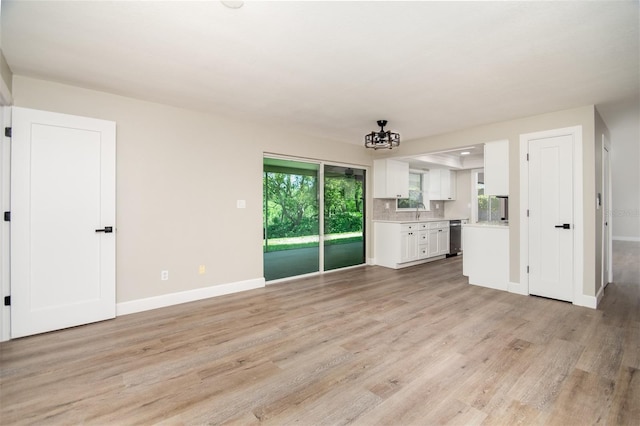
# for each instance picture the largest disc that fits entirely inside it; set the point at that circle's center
(390, 179)
(496, 168)
(442, 184)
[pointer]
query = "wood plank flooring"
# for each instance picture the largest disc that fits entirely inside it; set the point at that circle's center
(365, 346)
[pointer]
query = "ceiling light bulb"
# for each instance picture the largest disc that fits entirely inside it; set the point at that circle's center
(465, 153)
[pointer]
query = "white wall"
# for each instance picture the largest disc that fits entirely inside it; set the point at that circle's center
(179, 174)
(623, 121)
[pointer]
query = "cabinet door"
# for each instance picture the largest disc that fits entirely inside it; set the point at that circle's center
(442, 184)
(390, 179)
(452, 185)
(433, 242)
(443, 241)
(409, 246)
(434, 184)
(496, 168)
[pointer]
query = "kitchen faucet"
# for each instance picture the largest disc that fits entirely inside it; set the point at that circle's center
(418, 205)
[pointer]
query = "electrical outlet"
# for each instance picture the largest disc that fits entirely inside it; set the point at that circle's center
(164, 275)
(437, 206)
(202, 269)
(386, 205)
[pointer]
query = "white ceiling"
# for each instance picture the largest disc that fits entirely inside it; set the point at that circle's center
(334, 68)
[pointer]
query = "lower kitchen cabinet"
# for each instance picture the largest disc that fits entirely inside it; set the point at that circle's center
(405, 244)
(438, 236)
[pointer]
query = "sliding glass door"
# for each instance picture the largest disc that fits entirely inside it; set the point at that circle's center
(290, 218)
(343, 217)
(296, 213)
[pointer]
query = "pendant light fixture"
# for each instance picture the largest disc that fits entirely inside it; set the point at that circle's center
(383, 139)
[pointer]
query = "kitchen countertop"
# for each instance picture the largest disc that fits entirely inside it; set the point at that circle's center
(492, 224)
(426, 219)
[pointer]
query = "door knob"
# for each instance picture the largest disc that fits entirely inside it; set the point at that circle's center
(106, 230)
(564, 226)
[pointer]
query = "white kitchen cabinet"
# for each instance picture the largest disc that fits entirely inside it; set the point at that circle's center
(496, 168)
(405, 244)
(390, 179)
(438, 236)
(443, 241)
(433, 242)
(409, 246)
(442, 184)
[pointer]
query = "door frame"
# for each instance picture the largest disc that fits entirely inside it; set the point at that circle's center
(607, 245)
(365, 228)
(5, 229)
(578, 211)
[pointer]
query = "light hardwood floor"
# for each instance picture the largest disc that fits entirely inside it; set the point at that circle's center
(366, 346)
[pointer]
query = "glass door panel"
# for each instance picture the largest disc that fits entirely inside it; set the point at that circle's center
(290, 218)
(343, 217)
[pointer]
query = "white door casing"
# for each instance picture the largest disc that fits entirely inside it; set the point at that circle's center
(606, 214)
(572, 267)
(62, 193)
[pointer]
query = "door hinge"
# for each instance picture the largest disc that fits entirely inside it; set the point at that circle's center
(527, 269)
(7, 216)
(7, 301)
(527, 157)
(7, 132)
(527, 212)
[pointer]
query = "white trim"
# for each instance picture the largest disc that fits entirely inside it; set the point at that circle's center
(578, 211)
(517, 288)
(599, 296)
(620, 238)
(606, 249)
(171, 299)
(5, 231)
(524, 205)
(587, 301)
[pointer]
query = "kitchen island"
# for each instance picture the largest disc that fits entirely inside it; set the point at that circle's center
(486, 254)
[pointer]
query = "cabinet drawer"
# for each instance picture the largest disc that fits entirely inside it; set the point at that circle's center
(423, 226)
(438, 225)
(423, 237)
(409, 227)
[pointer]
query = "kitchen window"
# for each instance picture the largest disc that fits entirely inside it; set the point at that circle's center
(418, 193)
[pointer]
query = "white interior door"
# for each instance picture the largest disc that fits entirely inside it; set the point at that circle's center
(62, 203)
(551, 224)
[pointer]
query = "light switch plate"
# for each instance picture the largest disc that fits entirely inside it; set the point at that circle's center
(241, 204)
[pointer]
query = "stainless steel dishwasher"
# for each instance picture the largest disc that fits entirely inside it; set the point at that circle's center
(455, 237)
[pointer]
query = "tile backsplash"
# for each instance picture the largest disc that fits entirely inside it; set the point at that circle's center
(380, 212)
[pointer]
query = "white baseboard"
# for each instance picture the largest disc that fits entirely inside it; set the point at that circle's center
(599, 296)
(517, 288)
(171, 299)
(635, 239)
(587, 301)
